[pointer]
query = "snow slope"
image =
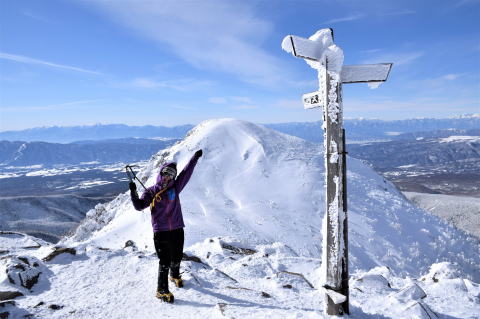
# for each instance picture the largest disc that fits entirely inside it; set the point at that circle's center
(253, 210)
(461, 211)
(260, 186)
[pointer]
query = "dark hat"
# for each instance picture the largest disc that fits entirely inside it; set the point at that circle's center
(170, 169)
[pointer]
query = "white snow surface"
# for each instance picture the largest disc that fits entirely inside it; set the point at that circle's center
(463, 212)
(260, 186)
(259, 189)
(459, 138)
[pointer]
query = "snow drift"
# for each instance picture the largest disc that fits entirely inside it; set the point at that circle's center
(258, 186)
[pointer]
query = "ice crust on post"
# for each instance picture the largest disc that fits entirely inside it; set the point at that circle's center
(321, 53)
(330, 62)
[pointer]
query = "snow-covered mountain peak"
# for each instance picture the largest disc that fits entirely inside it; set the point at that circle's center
(253, 211)
(258, 186)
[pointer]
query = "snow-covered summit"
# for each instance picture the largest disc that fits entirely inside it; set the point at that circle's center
(258, 186)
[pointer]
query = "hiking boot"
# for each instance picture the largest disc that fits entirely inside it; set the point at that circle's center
(178, 281)
(165, 297)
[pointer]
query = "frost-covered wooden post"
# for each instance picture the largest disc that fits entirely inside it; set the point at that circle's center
(320, 52)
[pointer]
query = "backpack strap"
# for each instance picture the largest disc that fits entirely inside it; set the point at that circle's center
(157, 198)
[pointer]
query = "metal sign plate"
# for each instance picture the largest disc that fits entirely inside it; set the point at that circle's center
(313, 100)
(366, 73)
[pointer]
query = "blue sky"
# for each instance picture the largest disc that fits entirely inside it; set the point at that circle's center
(177, 62)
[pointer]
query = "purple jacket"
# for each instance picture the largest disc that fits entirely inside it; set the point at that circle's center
(167, 213)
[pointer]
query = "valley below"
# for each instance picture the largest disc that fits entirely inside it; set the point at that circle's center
(48, 203)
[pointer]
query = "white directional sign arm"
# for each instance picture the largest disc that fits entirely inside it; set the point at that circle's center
(302, 48)
(366, 73)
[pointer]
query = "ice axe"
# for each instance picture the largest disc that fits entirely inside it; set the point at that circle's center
(132, 176)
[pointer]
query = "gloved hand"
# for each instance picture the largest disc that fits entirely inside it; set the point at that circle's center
(132, 186)
(199, 153)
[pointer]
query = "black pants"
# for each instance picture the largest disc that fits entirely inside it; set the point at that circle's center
(169, 248)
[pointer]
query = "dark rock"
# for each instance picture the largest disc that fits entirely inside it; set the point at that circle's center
(221, 307)
(58, 251)
(25, 260)
(21, 271)
(192, 258)
(130, 243)
(4, 304)
(237, 250)
(9, 310)
(301, 276)
(55, 307)
(265, 295)
(288, 286)
(41, 303)
(21, 267)
(225, 275)
(8, 295)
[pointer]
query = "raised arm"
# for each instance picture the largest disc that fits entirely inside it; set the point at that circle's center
(187, 171)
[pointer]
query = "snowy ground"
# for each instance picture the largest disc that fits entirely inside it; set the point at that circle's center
(461, 211)
(393, 244)
(268, 281)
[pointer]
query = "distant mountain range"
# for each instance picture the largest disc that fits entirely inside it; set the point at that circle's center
(68, 134)
(357, 130)
(430, 163)
(105, 151)
(368, 129)
(421, 151)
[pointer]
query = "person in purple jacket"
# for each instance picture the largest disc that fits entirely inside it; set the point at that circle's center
(167, 221)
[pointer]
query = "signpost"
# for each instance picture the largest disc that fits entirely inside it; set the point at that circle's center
(320, 52)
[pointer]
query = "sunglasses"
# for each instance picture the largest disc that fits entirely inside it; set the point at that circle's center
(169, 172)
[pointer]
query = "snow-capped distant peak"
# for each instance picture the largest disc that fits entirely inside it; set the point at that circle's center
(459, 138)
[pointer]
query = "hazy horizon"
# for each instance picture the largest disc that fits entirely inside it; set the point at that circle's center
(473, 115)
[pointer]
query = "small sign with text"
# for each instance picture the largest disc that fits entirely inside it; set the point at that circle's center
(312, 100)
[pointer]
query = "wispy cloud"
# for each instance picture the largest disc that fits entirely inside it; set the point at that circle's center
(462, 3)
(49, 107)
(216, 35)
(175, 84)
(37, 17)
(398, 59)
(441, 83)
(371, 51)
(241, 99)
(345, 19)
(244, 107)
(234, 102)
(396, 13)
(27, 60)
(230, 99)
(451, 77)
(182, 108)
(289, 104)
(217, 100)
